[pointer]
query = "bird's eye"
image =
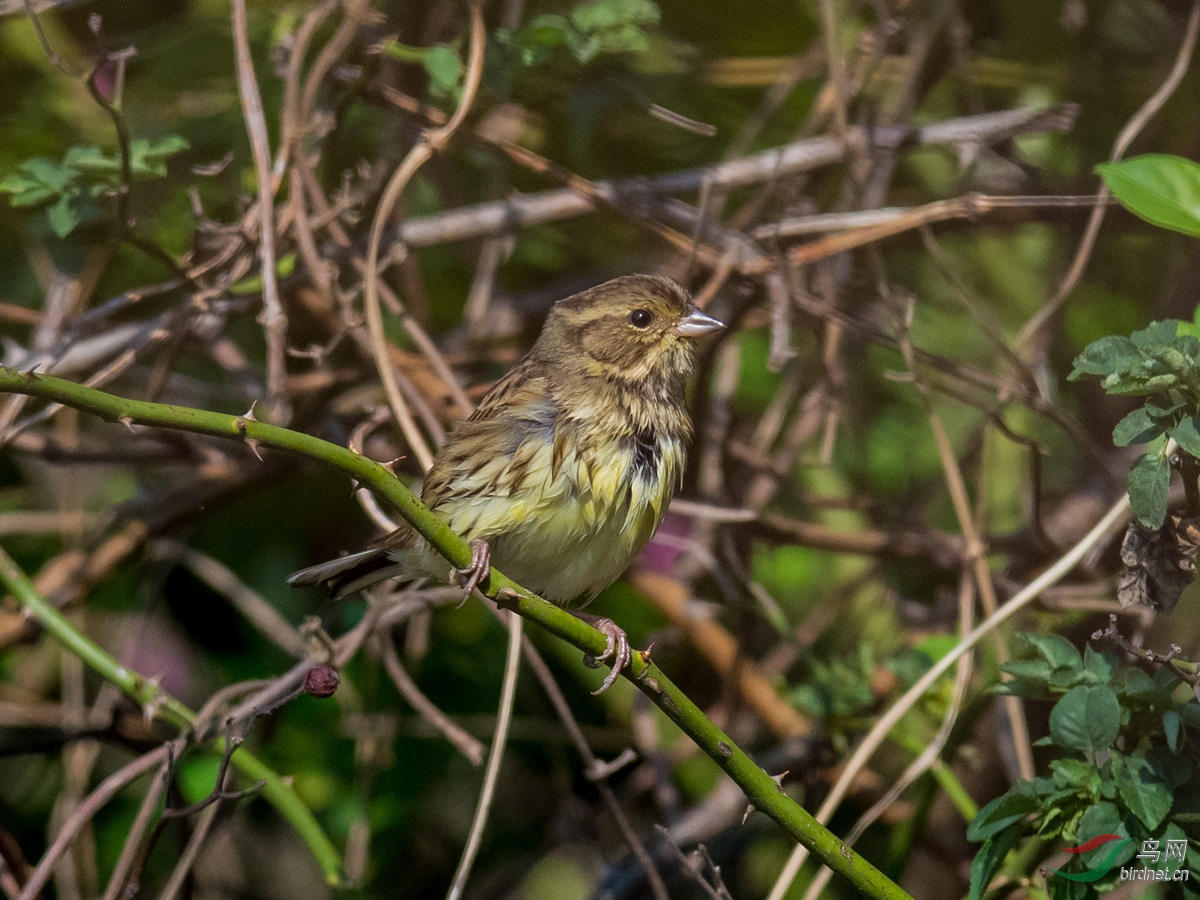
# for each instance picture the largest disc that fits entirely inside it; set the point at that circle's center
(640, 318)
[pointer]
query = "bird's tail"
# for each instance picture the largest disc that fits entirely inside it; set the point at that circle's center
(351, 573)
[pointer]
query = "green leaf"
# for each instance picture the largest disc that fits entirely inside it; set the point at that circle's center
(1142, 787)
(444, 68)
(1149, 481)
(1054, 648)
(1162, 189)
(614, 16)
(148, 159)
(1020, 801)
(1138, 384)
(1187, 436)
(1033, 673)
(989, 859)
(1139, 427)
(1173, 834)
(26, 191)
(584, 47)
(1101, 818)
(547, 30)
(1098, 667)
(167, 146)
(1142, 691)
(53, 175)
(1106, 356)
(63, 216)
(92, 161)
(1157, 336)
(1189, 712)
(1176, 769)
(1087, 718)
(1165, 406)
(1076, 774)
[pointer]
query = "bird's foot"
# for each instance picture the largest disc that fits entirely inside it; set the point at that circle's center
(616, 648)
(470, 576)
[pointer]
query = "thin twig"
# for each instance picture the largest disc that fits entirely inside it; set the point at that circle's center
(464, 743)
(933, 749)
(273, 318)
(512, 665)
(83, 814)
(1100, 532)
(191, 852)
(249, 603)
(430, 143)
(132, 849)
(592, 765)
(1131, 130)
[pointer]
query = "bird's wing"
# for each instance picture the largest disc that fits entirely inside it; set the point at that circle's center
(483, 455)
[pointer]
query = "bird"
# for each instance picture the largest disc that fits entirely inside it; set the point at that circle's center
(566, 468)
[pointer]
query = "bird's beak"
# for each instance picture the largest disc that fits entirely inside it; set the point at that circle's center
(696, 323)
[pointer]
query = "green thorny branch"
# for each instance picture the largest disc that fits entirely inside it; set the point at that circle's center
(762, 791)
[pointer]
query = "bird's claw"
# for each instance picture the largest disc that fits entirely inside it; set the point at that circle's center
(470, 576)
(616, 649)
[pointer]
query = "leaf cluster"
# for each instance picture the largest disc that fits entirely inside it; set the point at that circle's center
(84, 174)
(589, 30)
(1126, 749)
(1158, 363)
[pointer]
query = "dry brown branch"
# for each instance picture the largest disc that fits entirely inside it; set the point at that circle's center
(522, 211)
(273, 317)
(429, 144)
(104, 792)
(463, 742)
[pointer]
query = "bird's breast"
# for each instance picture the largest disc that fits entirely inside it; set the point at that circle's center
(567, 509)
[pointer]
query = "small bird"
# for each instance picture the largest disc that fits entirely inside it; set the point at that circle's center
(565, 470)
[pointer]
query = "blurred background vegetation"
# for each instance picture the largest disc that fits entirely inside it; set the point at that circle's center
(822, 539)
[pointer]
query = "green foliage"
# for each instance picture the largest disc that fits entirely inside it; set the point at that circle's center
(1126, 748)
(839, 687)
(85, 173)
(1159, 363)
(1162, 189)
(589, 30)
(442, 63)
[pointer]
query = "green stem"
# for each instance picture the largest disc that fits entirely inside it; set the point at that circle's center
(166, 708)
(760, 788)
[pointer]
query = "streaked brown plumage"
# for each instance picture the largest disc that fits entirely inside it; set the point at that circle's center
(567, 467)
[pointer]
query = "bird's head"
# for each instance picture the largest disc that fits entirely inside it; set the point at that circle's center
(633, 328)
